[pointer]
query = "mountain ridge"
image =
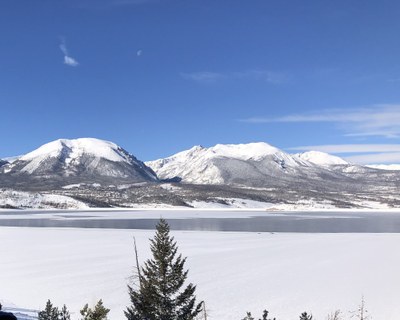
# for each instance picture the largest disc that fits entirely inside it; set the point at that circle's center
(89, 172)
(231, 164)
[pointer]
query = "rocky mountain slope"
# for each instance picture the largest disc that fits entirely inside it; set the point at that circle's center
(3, 162)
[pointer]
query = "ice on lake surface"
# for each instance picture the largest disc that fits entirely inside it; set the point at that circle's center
(248, 221)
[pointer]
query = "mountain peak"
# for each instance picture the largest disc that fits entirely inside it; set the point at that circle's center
(244, 151)
(224, 164)
(321, 158)
(83, 159)
(75, 147)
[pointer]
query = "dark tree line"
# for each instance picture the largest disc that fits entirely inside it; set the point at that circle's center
(50, 312)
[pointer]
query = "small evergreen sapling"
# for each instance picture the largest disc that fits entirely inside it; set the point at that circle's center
(248, 316)
(53, 313)
(305, 316)
(98, 313)
(264, 316)
(161, 294)
(64, 314)
(49, 313)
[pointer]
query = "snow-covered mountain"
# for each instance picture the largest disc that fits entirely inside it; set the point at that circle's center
(91, 172)
(390, 167)
(252, 164)
(321, 158)
(79, 160)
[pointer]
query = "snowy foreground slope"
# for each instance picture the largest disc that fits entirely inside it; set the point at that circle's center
(234, 272)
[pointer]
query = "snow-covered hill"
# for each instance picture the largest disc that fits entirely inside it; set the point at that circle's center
(321, 158)
(22, 200)
(78, 160)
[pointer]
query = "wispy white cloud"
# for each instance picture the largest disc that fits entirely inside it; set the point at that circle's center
(350, 148)
(203, 76)
(359, 153)
(375, 158)
(68, 60)
(377, 120)
(261, 75)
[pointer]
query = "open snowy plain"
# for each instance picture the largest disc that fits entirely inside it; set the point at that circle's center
(235, 272)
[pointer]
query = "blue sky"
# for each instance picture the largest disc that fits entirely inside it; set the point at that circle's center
(158, 77)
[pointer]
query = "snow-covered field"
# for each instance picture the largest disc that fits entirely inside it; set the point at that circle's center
(19, 199)
(234, 272)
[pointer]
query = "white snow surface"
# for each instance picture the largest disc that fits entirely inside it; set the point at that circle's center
(249, 151)
(234, 272)
(73, 150)
(20, 199)
(98, 148)
(321, 158)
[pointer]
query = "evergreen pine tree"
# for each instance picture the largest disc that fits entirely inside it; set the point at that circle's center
(64, 314)
(49, 313)
(98, 313)
(248, 316)
(159, 295)
(305, 316)
(265, 315)
(85, 312)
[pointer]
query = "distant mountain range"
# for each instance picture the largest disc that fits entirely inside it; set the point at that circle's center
(252, 165)
(100, 173)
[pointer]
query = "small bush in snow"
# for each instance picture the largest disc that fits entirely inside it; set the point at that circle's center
(264, 316)
(53, 313)
(98, 313)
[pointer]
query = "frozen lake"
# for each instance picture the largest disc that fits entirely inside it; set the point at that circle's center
(235, 272)
(314, 261)
(198, 220)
